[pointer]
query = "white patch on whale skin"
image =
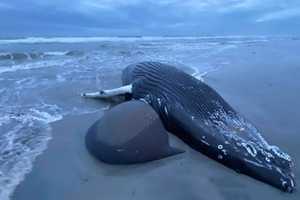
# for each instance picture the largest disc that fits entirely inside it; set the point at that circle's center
(159, 101)
(280, 153)
(224, 152)
(127, 89)
(205, 142)
(117, 91)
(166, 110)
(144, 100)
(254, 163)
(198, 75)
(250, 149)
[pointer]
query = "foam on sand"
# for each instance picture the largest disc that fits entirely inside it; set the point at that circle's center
(20, 146)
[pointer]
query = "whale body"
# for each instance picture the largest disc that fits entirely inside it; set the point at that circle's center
(198, 115)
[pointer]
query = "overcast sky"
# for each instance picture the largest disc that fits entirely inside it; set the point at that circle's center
(145, 17)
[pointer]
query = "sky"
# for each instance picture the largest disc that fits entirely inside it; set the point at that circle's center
(152, 18)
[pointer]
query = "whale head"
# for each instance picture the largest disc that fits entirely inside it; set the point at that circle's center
(270, 165)
(249, 153)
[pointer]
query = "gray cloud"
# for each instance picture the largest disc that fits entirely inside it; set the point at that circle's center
(146, 17)
(280, 15)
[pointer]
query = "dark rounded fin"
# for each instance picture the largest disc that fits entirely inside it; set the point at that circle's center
(129, 133)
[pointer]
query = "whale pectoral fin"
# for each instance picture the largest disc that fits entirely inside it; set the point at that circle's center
(105, 94)
(97, 95)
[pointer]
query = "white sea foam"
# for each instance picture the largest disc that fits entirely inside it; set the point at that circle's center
(33, 65)
(44, 116)
(32, 40)
(4, 119)
(56, 53)
(60, 78)
(249, 41)
(14, 68)
(22, 144)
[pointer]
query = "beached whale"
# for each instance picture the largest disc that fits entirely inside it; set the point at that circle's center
(198, 115)
(129, 133)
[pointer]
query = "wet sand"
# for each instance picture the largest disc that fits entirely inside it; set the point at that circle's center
(262, 84)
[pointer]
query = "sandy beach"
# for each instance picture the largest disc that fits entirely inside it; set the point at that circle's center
(261, 82)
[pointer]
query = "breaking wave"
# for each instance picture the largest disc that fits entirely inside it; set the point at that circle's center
(34, 40)
(23, 56)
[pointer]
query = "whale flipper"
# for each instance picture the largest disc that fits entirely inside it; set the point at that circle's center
(105, 94)
(129, 133)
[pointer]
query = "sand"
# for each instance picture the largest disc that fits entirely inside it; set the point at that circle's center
(256, 84)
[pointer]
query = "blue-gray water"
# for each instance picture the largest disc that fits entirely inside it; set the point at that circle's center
(41, 79)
